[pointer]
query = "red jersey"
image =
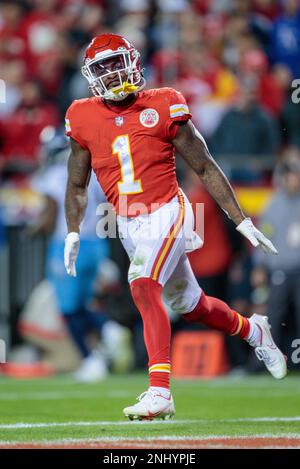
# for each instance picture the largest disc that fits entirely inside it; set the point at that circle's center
(131, 147)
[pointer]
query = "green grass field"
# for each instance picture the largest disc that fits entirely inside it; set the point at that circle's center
(57, 409)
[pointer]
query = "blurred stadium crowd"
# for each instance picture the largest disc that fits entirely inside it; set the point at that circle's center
(235, 62)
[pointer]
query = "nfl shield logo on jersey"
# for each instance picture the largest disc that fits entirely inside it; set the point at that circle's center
(149, 117)
(119, 121)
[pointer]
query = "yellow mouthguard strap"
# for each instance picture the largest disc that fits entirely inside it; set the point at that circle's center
(126, 87)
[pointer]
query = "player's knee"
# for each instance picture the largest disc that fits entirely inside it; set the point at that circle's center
(180, 298)
(144, 291)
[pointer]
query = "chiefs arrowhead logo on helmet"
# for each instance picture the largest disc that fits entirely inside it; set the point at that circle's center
(112, 67)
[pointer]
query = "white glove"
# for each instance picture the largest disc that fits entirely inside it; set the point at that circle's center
(255, 236)
(71, 252)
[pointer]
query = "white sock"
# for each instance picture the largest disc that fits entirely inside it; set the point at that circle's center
(254, 335)
(163, 391)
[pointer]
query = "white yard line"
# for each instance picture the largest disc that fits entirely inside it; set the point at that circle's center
(17, 426)
(22, 425)
(292, 436)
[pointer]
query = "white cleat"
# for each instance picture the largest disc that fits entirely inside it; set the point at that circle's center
(151, 405)
(266, 350)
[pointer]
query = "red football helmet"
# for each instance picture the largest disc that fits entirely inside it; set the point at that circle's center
(112, 67)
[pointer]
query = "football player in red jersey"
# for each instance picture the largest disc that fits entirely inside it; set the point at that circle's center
(128, 136)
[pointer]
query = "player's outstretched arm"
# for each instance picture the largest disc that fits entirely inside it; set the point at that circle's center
(192, 147)
(79, 172)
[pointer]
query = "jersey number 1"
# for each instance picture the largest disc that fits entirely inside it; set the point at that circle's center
(127, 185)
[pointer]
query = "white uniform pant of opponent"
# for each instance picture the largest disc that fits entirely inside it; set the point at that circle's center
(157, 243)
